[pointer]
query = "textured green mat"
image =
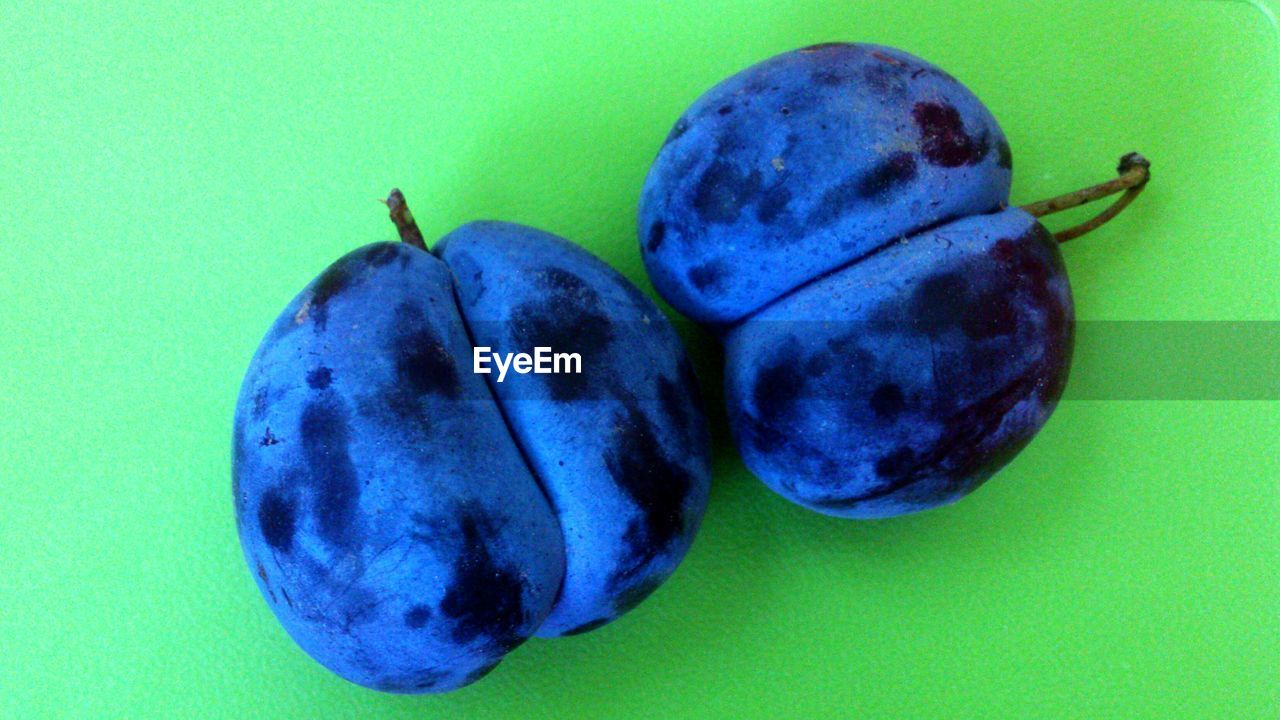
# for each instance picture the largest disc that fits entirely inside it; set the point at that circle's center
(170, 174)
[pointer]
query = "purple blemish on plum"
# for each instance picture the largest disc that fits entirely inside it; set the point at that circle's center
(892, 173)
(722, 192)
(887, 401)
(568, 316)
(319, 378)
(486, 597)
(706, 276)
(943, 139)
(332, 474)
(417, 616)
(658, 487)
(277, 518)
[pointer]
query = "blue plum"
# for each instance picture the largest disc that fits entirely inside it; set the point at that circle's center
(407, 525)
(382, 504)
(894, 332)
(904, 381)
(806, 162)
(619, 448)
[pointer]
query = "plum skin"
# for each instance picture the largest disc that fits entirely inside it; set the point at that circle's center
(893, 334)
(621, 449)
(387, 509)
(355, 413)
(805, 162)
(905, 381)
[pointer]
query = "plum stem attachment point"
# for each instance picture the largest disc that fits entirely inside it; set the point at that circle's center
(1135, 171)
(403, 219)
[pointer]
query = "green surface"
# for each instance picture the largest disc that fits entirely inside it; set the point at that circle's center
(171, 174)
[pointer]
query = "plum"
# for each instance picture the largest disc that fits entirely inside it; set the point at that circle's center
(808, 161)
(409, 520)
(905, 380)
(617, 447)
(383, 506)
(894, 332)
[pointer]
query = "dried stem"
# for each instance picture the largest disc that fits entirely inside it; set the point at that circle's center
(405, 224)
(1135, 171)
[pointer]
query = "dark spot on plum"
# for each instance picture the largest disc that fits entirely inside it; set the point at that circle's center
(773, 203)
(268, 439)
(975, 300)
(938, 302)
(706, 276)
(990, 313)
(417, 616)
(943, 139)
(1004, 251)
(875, 186)
(567, 318)
(423, 364)
(836, 201)
(319, 378)
(681, 126)
(654, 483)
(887, 401)
(1004, 156)
(657, 233)
(723, 190)
(325, 439)
(777, 388)
(332, 282)
(1032, 263)
(675, 401)
(587, 626)
(277, 519)
(785, 111)
(892, 173)
(486, 598)
(724, 110)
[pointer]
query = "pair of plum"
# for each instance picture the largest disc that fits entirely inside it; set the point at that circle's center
(894, 334)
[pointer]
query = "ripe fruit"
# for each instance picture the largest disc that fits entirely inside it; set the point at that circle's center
(894, 332)
(409, 522)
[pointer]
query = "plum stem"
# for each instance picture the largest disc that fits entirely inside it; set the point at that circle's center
(1135, 171)
(403, 218)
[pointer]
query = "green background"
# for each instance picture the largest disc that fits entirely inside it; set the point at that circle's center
(172, 173)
